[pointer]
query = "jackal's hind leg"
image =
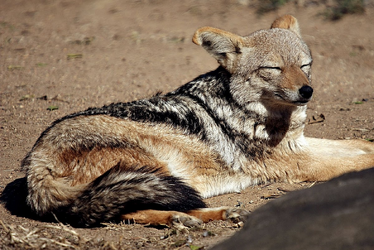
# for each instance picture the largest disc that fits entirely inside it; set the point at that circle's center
(232, 214)
(330, 158)
(175, 219)
(190, 218)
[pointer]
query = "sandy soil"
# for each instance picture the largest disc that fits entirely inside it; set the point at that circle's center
(78, 54)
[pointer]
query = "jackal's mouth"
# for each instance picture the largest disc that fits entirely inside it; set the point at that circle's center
(300, 102)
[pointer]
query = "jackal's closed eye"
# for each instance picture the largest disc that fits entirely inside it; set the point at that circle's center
(268, 72)
(270, 68)
(306, 68)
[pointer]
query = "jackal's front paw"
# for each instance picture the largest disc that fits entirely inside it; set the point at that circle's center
(182, 221)
(236, 215)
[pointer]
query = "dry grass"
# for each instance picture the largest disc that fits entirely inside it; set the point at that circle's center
(60, 236)
(51, 236)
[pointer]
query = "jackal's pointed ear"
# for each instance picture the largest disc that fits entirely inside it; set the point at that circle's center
(222, 45)
(287, 22)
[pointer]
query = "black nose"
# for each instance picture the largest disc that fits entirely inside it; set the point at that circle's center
(306, 92)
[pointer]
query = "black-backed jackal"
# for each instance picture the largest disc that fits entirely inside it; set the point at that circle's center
(154, 160)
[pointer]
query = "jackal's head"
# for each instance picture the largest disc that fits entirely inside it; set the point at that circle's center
(272, 66)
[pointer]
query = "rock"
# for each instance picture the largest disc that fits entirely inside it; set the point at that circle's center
(338, 214)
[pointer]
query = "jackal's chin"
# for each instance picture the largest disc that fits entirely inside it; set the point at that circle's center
(301, 103)
(298, 101)
(290, 100)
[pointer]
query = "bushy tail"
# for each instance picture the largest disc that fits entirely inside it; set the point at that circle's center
(120, 191)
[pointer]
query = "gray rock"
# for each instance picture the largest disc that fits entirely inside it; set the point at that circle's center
(338, 214)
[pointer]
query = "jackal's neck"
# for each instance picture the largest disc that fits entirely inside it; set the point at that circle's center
(253, 118)
(241, 131)
(212, 84)
(281, 123)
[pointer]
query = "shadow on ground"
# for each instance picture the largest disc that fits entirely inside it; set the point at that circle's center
(14, 198)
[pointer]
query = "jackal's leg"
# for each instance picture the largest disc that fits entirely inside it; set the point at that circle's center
(330, 158)
(158, 217)
(219, 213)
(189, 219)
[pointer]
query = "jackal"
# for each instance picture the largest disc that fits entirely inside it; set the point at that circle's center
(154, 160)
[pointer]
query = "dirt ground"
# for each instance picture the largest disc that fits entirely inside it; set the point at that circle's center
(68, 55)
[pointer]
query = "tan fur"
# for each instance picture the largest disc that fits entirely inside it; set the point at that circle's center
(210, 214)
(178, 219)
(287, 22)
(226, 44)
(265, 142)
(293, 78)
(150, 146)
